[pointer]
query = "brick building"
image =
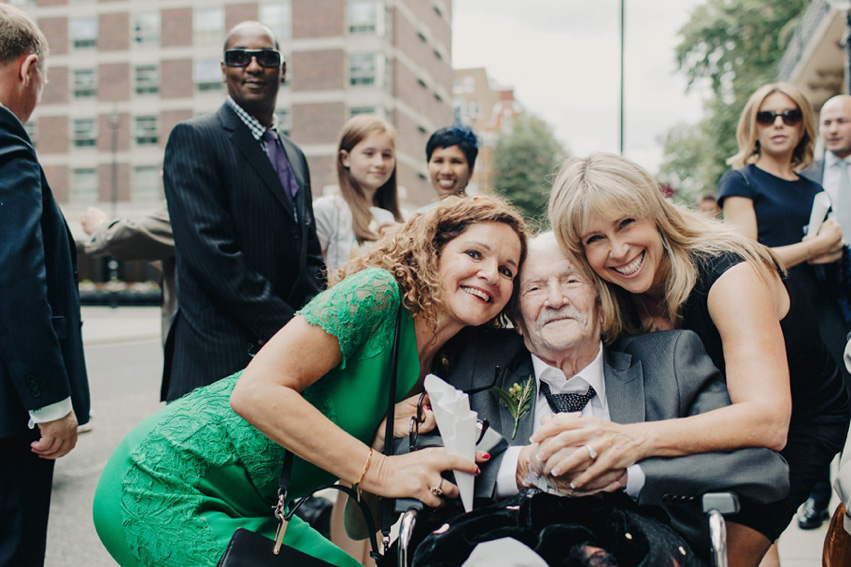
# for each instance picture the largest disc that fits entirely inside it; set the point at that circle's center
(122, 73)
(489, 109)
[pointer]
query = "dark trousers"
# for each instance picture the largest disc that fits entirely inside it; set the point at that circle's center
(25, 484)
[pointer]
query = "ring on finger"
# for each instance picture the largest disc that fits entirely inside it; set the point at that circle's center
(436, 489)
(592, 454)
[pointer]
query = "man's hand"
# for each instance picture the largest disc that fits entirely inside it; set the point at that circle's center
(609, 481)
(57, 437)
(524, 464)
(93, 218)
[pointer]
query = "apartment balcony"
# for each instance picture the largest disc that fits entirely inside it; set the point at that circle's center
(815, 58)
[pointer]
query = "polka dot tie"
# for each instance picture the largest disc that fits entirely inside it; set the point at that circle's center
(571, 401)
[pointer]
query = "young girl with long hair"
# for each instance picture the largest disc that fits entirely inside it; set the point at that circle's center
(368, 203)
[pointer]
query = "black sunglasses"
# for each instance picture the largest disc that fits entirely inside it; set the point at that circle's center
(242, 57)
(790, 117)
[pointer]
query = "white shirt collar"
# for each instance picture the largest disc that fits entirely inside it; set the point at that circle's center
(831, 159)
(591, 375)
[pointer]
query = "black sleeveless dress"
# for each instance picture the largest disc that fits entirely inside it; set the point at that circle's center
(820, 400)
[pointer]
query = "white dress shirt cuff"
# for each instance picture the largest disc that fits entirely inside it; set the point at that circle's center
(50, 413)
(634, 481)
(506, 478)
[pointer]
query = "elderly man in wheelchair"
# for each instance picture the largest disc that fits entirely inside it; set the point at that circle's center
(559, 396)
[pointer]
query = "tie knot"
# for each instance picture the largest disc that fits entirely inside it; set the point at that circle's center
(569, 402)
(269, 135)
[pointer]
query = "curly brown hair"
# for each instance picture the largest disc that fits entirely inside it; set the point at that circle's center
(412, 254)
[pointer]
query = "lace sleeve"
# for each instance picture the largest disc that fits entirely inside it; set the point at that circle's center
(359, 311)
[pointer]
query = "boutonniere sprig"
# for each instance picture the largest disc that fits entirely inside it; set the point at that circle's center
(518, 400)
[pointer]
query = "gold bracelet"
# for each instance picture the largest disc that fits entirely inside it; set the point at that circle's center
(363, 472)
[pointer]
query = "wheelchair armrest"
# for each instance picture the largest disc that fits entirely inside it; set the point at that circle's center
(723, 502)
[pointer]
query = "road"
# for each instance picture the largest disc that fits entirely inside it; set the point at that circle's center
(124, 359)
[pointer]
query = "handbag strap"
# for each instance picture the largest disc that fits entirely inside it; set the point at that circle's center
(387, 503)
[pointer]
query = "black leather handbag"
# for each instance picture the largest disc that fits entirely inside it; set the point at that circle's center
(250, 549)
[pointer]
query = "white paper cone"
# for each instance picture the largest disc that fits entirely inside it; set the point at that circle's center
(457, 425)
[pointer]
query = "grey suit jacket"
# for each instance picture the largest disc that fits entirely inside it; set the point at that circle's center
(147, 238)
(815, 172)
(247, 258)
(648, 377)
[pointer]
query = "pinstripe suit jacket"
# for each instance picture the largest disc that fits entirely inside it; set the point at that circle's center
(245, 259)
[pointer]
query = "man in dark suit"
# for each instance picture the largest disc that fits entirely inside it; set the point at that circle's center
(239, 199)
(642, 378)
(42, 371)
(833, 173)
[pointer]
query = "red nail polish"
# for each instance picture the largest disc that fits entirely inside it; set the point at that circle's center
(486, 456)
(478, 471)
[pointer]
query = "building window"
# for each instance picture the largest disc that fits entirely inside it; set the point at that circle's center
(146, 28)
(285, 120)
(279, 18)
(208, 25)
(146, 183)
(83, 32)
(208, 75)
(147, 79)
(356, 110)
(84, 186)
(466, 84)
(439, 7)
(363, 17)
(362, 69)
(84, 132)
(145, 131)
(83, 83)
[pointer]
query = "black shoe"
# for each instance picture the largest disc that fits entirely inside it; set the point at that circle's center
(811, 516)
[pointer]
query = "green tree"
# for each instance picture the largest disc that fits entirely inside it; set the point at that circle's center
(733, 46)
(525, 160)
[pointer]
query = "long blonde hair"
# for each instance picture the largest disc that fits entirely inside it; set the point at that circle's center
(608, 186)
(746, 132)
(354, 132)
(412, 254)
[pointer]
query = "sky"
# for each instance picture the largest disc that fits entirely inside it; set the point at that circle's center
(562, 57)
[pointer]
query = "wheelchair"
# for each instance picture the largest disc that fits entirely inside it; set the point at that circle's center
(715, 505)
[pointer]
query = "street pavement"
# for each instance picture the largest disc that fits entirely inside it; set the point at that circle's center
(124, 359)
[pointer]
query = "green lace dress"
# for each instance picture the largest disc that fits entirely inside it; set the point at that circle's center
(185, 478)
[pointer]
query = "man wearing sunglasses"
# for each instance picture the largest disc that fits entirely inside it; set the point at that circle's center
(557, 345)
(240, 204)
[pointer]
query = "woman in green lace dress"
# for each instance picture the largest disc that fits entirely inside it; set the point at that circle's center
(178, 486)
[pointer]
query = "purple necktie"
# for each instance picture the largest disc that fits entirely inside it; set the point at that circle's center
(282, 166)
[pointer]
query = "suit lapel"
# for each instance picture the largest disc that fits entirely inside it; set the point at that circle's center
(518, 375)
(242, 139)
(624, 387)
